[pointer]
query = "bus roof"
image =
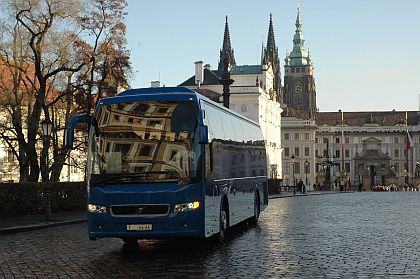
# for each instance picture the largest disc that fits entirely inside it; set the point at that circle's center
(155, 90)
(179, 93)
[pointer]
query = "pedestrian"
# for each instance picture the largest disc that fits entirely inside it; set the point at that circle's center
(300, 185)
(360, 186)
(314, 186)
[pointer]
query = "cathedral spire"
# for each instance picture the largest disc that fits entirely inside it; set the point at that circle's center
(271, 42)
(298, 56)
(226, 52)
(271, 56)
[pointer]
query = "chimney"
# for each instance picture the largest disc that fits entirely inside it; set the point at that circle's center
(207, 67)
(198, 73)
(155, 84)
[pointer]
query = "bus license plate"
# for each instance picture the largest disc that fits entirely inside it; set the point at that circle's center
(139, 227)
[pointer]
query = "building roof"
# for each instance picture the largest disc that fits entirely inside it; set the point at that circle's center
(357, 119)
(210, 77)
(246, 69)
(212, 95)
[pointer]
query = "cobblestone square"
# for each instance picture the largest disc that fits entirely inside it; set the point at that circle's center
(353, 235)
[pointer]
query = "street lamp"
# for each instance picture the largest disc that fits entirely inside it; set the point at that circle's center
(46, 132)
(306, 171)
(293, 173)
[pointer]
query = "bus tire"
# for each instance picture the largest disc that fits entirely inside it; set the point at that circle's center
(223, 220)
(257, 209)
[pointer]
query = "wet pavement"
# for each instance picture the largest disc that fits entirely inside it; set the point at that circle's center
(352, 235)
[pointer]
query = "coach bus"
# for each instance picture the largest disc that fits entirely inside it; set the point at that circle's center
(169, 162)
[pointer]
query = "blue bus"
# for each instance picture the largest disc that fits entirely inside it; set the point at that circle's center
(169, 162)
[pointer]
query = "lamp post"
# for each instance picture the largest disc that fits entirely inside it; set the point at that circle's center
(46, 132)
(293, 173)
(327, 163)
(306, 171)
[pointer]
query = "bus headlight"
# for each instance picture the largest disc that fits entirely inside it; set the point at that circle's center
(186, 206)
(93, 208)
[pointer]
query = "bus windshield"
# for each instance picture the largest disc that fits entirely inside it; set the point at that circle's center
(151, 141)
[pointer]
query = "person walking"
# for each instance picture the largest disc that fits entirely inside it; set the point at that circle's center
(300, 186)
(360, 187)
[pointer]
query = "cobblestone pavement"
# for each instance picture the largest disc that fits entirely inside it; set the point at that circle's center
(354, 235)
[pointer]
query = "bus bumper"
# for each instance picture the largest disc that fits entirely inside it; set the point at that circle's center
(182, 224)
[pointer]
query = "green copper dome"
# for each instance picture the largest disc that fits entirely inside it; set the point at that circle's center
(299, 56)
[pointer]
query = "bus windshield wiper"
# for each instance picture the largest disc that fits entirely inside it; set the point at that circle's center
(116, 177)
(102, 179)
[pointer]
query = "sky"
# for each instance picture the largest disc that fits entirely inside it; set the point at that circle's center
(366, 53)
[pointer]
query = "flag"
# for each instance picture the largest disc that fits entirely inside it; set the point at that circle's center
(408, 142)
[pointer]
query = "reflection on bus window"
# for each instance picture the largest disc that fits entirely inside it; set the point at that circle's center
(157, 141)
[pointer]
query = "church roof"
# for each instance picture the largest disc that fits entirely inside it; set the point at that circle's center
(246, 69)
(358, 119)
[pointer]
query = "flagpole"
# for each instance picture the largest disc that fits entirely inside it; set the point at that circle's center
(406, 150)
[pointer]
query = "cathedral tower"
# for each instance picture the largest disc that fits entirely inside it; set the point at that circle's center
(299, 82)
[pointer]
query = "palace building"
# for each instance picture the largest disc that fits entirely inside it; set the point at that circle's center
(341, 148)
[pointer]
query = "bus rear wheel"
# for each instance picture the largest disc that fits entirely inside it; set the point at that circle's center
(256, 208)
(224, 222)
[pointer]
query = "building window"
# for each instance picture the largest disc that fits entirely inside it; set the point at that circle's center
(308, 169)
(396, 153)
(337, 153)
(347, 165)
(347, 154)
(318, 167)
(316, 140)
(337, 140)
(286, 167)
(395, 140)
(316, 153)
(297, 152)
(286, 136)
(306, 136)
(347, 140)
(297, 167)
(286, 152)
(306, 151)
(296, 136)
(324, 140)
(10, 156)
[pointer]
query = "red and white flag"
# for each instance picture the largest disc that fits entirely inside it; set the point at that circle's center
(408, 142)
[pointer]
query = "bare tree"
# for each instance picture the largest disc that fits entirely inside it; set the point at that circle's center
(52, 67)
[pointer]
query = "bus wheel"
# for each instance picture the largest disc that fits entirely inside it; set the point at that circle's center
(224, 222)
(256, 207)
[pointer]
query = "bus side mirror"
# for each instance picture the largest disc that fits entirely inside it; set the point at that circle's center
(69, 132)
(203, 134)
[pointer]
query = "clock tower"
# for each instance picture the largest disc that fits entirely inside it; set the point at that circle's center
(299, 83)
